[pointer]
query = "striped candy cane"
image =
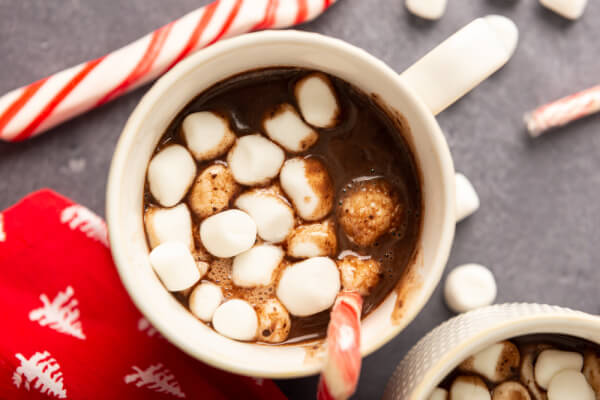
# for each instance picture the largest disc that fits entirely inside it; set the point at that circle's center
(33, 109)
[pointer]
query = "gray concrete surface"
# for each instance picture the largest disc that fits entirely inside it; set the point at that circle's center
(537, 228)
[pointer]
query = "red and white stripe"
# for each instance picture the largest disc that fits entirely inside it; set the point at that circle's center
(341, 370)
(33, 109)
(563, 111)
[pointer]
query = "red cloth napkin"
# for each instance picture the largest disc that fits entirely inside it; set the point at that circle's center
(69, 329)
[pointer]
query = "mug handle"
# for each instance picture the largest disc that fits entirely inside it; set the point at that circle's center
(462, 61)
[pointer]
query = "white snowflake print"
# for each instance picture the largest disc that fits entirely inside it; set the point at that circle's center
(2, 233)
(156, 378)
(42, 371)
(79, 217)
(145, 326)
(60, 314)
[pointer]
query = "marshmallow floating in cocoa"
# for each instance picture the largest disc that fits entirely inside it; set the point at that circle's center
(309, 286)
(510, 390)
(591, 370)
(467, 200)
(468, 287)
(571, 9)
(213, 190)
(207, 135)
(469, 388)
(496, 363)
(570, 384)
(236, 319)
(273, 322)
(169, 225)
(255, 160)
(369, 209)
(317, 100)
(308, 185)
(273, 215)
(285, 127)
(174, 265)
(428, 9)
(170, 174)
(438, 394)
(255, 267)
(359, 273)
(204, 300)
(551, 361)
(228, 233)
(312, 240)
(528, 354)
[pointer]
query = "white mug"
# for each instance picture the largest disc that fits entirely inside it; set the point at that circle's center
(416, 96)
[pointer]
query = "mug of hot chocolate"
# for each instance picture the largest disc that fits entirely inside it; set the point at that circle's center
(266, 174)
(504, 352)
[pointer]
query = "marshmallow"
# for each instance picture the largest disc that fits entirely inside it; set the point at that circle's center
(255, 267)
(370, 209)
(469, 388)
(467, 200)
(312, 240)
(495, 363)
(254, 160)
(570, 385)
(236, 319)
(439, 394)
(273, 322)
(317, 100)
(571, 9)
(468, 287)
(204, 300)
(309, 287)
(528, 354)
(285, 127)
(359, 273)
(228, 233)
(212, 191)
(207, 135)
(591, 370)
(510, 391)
(550, 362)
(170, 174)
(309, 187)
(273, 215)
(174, 265)
(169, 225)
(428, 9)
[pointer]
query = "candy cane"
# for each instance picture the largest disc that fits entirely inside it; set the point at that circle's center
(342, 365)
(33, 109)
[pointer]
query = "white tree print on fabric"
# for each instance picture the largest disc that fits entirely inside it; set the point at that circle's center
(41, 371)
(79, 217)
(156, 378)
(61, 314)
(145, 326)
(2, 233)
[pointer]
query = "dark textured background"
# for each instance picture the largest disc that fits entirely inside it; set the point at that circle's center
(537, 228)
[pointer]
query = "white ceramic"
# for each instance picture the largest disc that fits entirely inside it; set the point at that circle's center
(289, 48)
(438, 353)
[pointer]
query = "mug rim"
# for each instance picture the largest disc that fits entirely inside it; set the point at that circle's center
(132, 130)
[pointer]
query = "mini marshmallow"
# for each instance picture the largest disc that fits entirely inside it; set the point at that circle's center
(309, 287)
(170, 174)
(255, 160)
(528, 354)
(228, 233)
(169, 225)
(273, 322)
(468, 287)
(469, 388)
(309, 187)
(591, 370)
(571, 9)
(207, 135)
(359, 273)
(439, 394)
(175, 266)
(510, 391)
(273, 215)
(255, 267)
(570, 385)
(550, 362)
(285, 127)
(495, 363)
(236, 319)
(317, 100)
(428, 9)
(204, 300)
(212, 191)
(312, 240)
(467, 200)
